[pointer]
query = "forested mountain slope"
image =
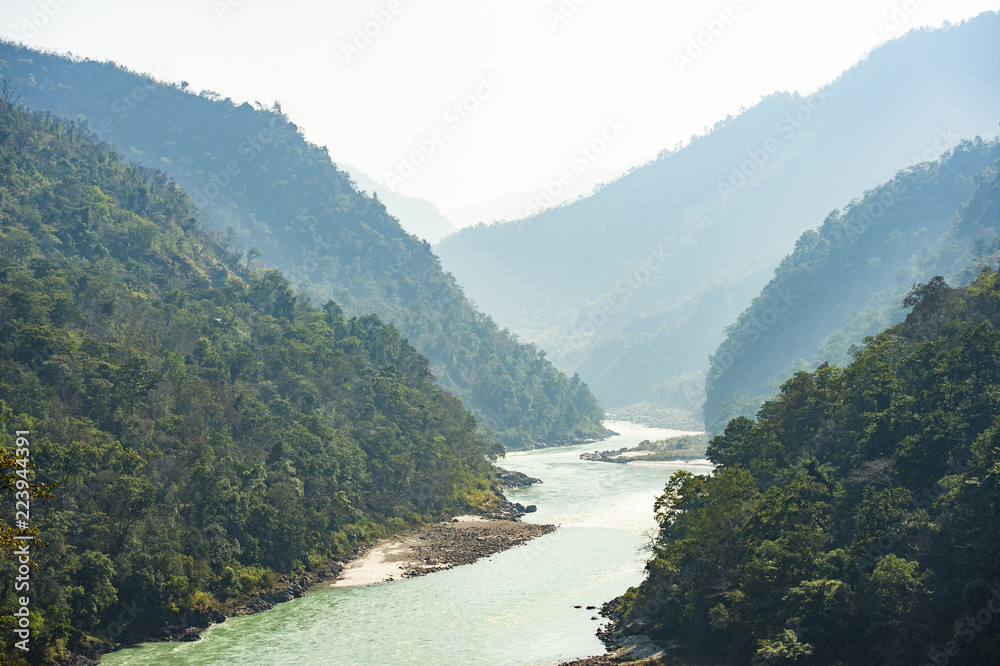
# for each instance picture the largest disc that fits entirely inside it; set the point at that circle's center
(280, 196)
(607, 283)
(856, 521)
(206, 428)
(846, 280)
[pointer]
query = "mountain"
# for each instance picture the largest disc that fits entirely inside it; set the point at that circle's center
(847, 279)
(282, 201)
(504, 207)
(199, 429)
(418, 217)
(512, 205)
(855, 520)
(668, 255)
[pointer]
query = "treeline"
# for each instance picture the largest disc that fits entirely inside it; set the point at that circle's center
(845, 280)
(205, 427)
(633, 285)
(280, 200)
(857, 519)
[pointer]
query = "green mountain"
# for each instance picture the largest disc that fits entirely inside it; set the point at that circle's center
(283, 202)
(846, 280)
(856, 521)
(206, 429)
(632, 287)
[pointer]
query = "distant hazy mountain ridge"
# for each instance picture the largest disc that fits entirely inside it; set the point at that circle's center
(720, 212)
(849, 277)
(282, 202)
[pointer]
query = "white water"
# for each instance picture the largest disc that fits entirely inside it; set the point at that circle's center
(516, 607)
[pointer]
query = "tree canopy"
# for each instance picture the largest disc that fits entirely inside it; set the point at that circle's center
(856, 519)
(272, 192)
(202, 428)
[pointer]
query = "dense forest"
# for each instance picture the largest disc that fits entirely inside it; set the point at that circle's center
(283, 203)
(202, 428)
(633, 286)
(846, 280)
(856, 520)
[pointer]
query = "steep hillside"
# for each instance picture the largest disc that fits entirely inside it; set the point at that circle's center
(722, 210)
(205, 428)
(282, 202)
(856, 520)
(847, 279)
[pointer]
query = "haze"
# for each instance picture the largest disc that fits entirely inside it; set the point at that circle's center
(561, 72)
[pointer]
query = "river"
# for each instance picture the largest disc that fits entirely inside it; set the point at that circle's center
(516, 607)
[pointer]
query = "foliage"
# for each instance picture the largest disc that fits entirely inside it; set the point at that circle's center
(274, 193)
(684, 447)
(632, 286)
(845, 280)
(206, 427)
(856, 520)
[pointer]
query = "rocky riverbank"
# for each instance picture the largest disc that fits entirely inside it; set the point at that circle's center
(640, 651)
(685, 448)
(619, 457)
(626, 647)
(431, 548)
(623, 650)
(418, 551)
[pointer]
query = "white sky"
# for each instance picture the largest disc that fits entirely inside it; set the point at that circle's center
(557, 85)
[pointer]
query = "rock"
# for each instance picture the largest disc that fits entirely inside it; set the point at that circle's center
(591, 607)
(191, 635)
(531, 508)
(508, 479)
(447, 545)
(604, 456)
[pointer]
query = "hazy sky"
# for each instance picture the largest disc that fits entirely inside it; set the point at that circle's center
(533, 80)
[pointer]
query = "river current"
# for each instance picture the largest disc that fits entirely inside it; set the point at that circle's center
(516, 607)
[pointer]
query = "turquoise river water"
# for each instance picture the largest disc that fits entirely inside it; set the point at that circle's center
(516, 607)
